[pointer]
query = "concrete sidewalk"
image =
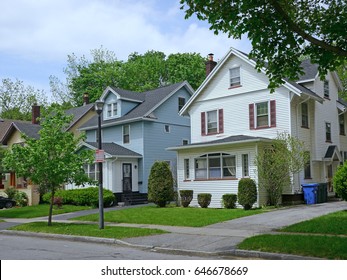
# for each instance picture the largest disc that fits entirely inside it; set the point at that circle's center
(220, 238)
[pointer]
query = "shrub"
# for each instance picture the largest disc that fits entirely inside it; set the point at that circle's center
(84, 197)
(58, 202)
(160, 184)
(186, 197)
(21, 198)
(340, 181)
(11, 192)
(247, 193)
(204, 199)
(229, 200)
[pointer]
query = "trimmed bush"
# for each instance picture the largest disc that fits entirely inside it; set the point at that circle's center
(247, 193)
(229, 200)
(83, 197)
(160, 184)
(20, 197)
(186, 197)
(204, 199)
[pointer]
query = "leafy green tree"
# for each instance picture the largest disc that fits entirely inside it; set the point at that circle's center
(342, 72)
(160, 184)
(141, 72)
(277, 163)
(281, 31)
(50, 161)
(16, 99)
(340, 181)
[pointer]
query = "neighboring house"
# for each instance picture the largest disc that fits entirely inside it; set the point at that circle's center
(136, 130)
(233, 115)
(12, 130)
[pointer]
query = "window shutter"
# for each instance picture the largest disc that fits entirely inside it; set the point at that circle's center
(273, 113)
(251, 116)
(220, 121)
(203, 123)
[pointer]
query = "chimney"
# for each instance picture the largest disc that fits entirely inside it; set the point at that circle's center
(35, 114)
(85, 98)
(210, 64)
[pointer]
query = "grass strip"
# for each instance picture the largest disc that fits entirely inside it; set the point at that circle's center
(172, 216)
(40, 210)
(334, 223)
(327, 247)
(86, 230)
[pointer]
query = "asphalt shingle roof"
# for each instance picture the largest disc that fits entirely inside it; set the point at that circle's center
(150, 99)
(115, 150)
(79, 112)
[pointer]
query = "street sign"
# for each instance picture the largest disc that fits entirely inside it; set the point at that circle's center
(99, 156)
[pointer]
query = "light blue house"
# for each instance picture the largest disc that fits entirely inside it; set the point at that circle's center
(136, 130)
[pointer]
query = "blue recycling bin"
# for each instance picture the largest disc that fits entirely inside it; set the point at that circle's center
(310, 193)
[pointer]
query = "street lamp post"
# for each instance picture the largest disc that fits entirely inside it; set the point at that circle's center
(98, 108)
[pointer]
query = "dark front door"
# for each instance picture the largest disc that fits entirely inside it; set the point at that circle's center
(127, 183)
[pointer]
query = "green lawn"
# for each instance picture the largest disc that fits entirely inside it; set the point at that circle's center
(38, 211)
(334, 223)
(172, 216)
(314, 242)
(87, 230)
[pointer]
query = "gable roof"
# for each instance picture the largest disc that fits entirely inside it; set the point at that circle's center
(292, 86)
(27, 128)
(113, 149)
(150, 100)
(79, 112)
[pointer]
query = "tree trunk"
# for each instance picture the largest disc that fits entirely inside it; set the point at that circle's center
(51, 209)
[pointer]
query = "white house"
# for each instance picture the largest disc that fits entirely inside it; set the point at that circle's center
(233, 115)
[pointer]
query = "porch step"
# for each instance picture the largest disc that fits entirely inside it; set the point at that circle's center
(134, 198)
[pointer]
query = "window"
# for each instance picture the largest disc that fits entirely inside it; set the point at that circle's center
(304, 115)
(235, 79)
(245, 165)
(326, 89)
(126, 134)
(167, 128)
(262, 114)
(185, 142)
(181, 103)
(112, 110)
(215, 166)
(92, 171)
(342, 124)
(212, 122)
(328, 132)
(307, 170)
(186, 168)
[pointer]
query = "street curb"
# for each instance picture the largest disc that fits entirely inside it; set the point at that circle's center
(232, 253)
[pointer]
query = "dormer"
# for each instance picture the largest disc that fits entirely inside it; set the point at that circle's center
(118, 102)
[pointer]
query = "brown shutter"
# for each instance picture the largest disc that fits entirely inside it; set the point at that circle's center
(251, 116)
(220, 121)
(203, 123)
(273, 113)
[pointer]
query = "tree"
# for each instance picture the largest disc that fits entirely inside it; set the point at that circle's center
(340, 181)
(160, 184)
(16, 99)
(50, 161)
(277, 163)
(141, 72)
(281, 31)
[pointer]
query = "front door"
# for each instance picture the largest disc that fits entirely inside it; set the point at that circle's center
(127, 183)
(330, 178)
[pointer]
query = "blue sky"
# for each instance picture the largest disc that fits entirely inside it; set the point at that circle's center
(37, 35)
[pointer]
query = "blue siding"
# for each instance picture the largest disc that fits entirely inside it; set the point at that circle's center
(127, 106)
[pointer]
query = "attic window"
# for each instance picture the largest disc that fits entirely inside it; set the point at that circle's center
(112, 110)
(181, 103)
(235, 79)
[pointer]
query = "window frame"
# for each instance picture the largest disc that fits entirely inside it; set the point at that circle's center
(326, 90)
(219, 168)
(180, 105)
(304, 115)
(87, 170)
(328, 132)
(126, 137)
(235, 79)
(342, 124)
(111, 110)
(167, 128)
(262, 115)
(208, 129)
